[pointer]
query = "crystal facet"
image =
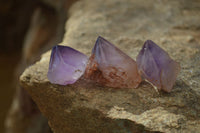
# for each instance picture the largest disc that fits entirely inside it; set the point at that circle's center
(111, 67)
(155, 65)
(66, 65)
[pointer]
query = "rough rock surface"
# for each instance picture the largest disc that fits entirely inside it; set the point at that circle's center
(87, 107)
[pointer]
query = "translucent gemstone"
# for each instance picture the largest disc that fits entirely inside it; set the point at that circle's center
(155, 65)
(111, 67)
(66, 65)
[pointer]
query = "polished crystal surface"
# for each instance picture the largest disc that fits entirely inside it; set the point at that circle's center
(66, 65)
(156, 66)
(111, 67)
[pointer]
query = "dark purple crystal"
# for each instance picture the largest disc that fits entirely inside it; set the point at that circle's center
(156, 66)
(66, 65)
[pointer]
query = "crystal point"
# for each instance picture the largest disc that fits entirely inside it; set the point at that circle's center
(111, 67)
(66, 65)
(156, 66)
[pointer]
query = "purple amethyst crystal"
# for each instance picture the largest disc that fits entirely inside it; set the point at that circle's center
(155, 65)
(109, 66)
(66, 65)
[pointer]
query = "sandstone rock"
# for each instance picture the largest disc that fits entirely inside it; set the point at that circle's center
(86, 107)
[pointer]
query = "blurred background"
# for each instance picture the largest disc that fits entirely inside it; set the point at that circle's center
(27, 29)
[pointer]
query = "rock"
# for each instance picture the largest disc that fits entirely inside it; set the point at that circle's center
(86, 107)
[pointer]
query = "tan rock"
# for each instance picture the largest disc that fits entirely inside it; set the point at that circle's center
(85, 107)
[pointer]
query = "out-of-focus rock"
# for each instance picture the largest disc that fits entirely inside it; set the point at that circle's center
(59, 5)
(15, 18)
(86, 107)
(46, 29)
(42, 32)
(24, 115)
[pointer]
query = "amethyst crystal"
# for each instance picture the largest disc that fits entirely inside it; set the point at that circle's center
(111, 67)
(155, 65)
(66, 65)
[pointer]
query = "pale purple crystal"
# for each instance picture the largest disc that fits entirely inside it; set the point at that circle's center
(66, 65)
(109, 66)
(156, 66)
